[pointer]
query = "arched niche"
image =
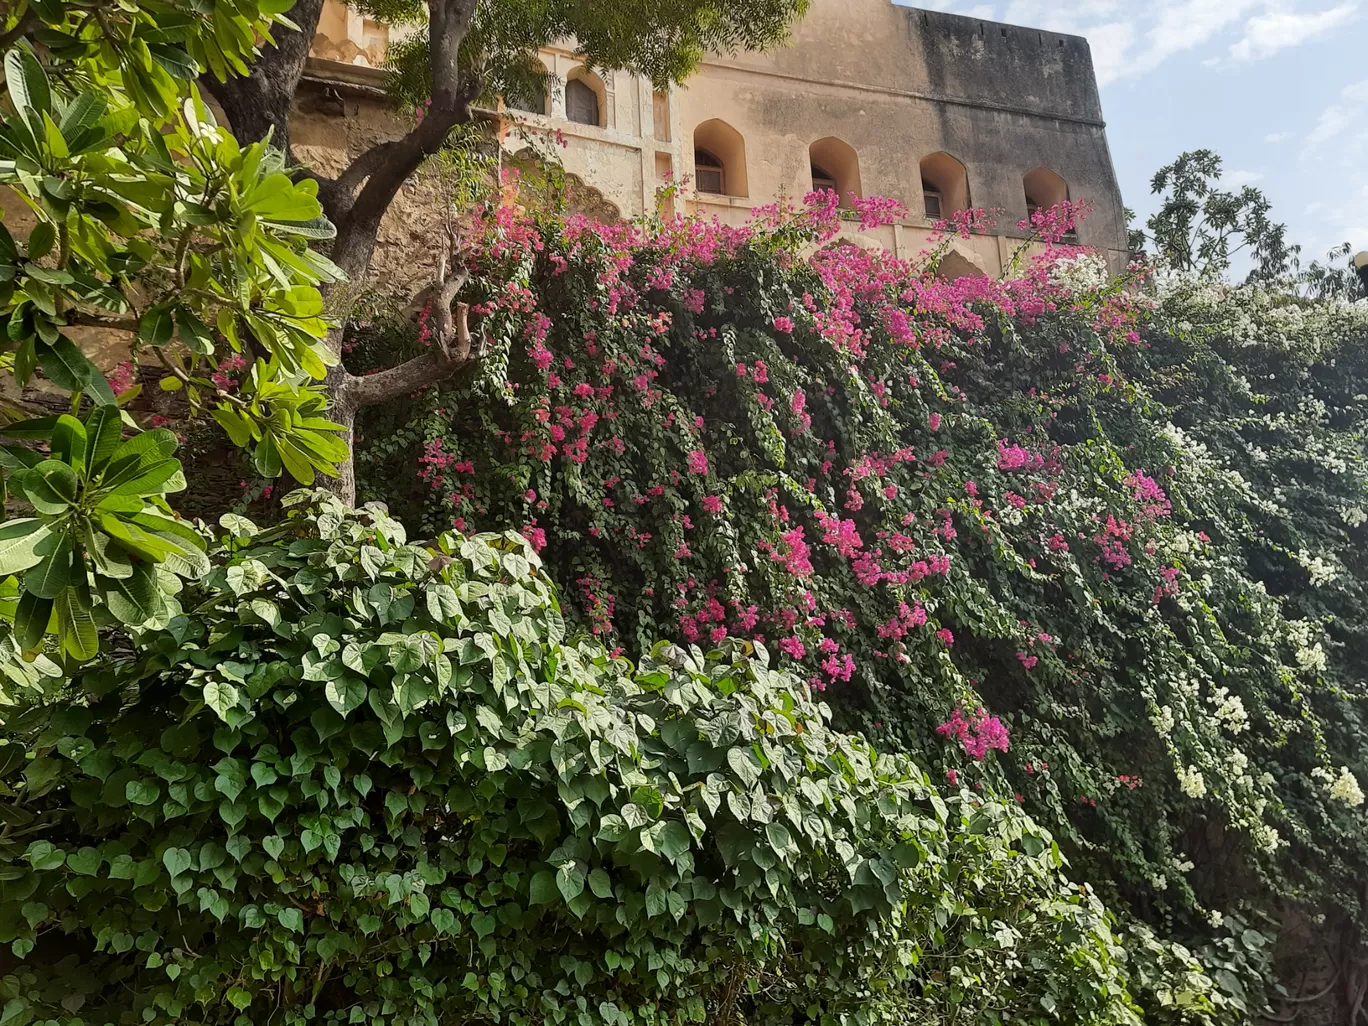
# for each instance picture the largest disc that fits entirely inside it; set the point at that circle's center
(586, 98)
(719, 159)
(945, 186)
(835, 165)
(1044, 189)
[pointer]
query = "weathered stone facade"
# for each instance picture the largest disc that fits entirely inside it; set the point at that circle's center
(880, 98)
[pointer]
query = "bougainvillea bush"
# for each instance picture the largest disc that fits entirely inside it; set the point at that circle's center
(1092, 541)
(362, 780)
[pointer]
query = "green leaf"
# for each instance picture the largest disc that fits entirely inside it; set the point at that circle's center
(32, 616)
(543, 889)
(142, 792)
(84, 112)
(220, 696)
(50, 577)
(65, 365)
(600, 883)
(76, 626)
(570, 881)
(156, 326)
(19, 540)
(41, 239)
(51, 487)
(69, 442)
(27, 82)
(346, 693)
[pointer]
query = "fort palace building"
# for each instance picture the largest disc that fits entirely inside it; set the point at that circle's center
(940, 111)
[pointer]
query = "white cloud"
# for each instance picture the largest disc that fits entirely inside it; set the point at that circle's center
(1356, 92)
(1110, 44)
(1333, 120)
(1237, 179)
(1265, 34)
(1277, 137)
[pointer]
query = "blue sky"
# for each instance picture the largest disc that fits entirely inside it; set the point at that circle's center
(1279, 88)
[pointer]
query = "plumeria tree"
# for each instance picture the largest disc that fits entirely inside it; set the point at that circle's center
(146, 222)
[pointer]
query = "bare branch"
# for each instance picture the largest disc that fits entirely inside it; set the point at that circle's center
(28, 21)
(108, 321)
(437, 363)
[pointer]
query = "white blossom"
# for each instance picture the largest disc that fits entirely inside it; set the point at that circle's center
(1191, 782)
(1345, 788)
(1312, 658)
(1230, 710)
(1163, 721)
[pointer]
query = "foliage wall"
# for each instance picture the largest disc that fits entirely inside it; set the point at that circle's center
(366, 781)
(1093, 542)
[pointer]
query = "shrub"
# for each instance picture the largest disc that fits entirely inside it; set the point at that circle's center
(363, 780)
(958, 509)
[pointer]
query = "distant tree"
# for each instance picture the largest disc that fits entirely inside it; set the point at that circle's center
(1335, 279)
(472, 50)
(1200, 227)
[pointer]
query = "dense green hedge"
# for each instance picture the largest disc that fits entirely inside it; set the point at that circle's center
(1124, 517)
(361, 780)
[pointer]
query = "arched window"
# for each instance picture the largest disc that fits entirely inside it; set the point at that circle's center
(1044, 189)
(709, 172)
(719, 159)
(945, 186)
(581, 103)
(836, 167)
(526, 96)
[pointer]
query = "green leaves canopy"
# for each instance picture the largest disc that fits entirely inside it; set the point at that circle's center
(382, 769)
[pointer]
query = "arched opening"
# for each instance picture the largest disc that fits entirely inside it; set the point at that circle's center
(835, 166)
(528, 96)
(719, 159)
(1044, 189)
(945, 186)
(585, 98)
(954, 265)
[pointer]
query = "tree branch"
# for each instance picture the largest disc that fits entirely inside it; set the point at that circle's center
(27, 22)
(450, 347)
(89, 320)
(387, 167)
(412, 375)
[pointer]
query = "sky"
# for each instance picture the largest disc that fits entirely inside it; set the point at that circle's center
(1279, 88)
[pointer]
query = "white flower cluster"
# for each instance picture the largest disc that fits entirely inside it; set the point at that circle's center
(1310, 656)
(1086, 272)
(1322, 573)
(1230, 710)
(1266, 837)
(1354, 516)
(1191, 782)
(1215, 918)
(1343, 788)
(1159, 882)
(1163, 721)
(1179, 438)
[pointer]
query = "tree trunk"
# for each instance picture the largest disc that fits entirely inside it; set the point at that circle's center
(356, 200)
